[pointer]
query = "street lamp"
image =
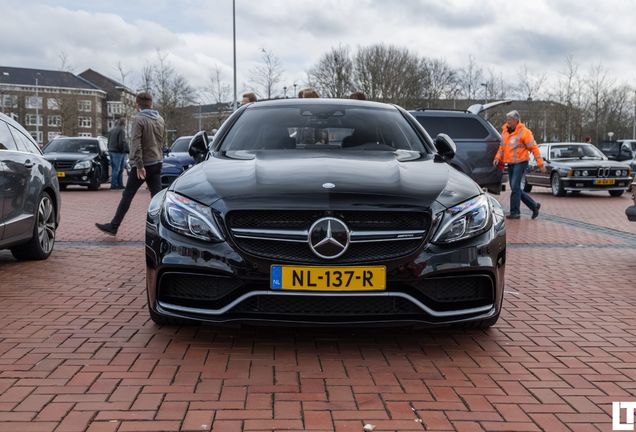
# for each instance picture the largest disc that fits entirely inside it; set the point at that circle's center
(37, 110)
(295, 90)
(285, 92)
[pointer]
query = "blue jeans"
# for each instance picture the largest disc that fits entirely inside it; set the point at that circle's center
(516, 172)
(117, 161)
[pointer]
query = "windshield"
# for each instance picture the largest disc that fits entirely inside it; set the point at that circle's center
(181, 145)
(575, 151)
(71, 146)
(322, 127)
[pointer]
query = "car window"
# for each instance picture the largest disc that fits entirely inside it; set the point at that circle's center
(544, 151)
(181, 145)
(6, 139)
(72, 145)
(455, 127)
(23, 143)
(575, 151)
(103, 145)
(322, 127)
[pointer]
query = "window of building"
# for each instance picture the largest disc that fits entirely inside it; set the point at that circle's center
(38, 136)
(98, 123)
(84, 105)
(115, 108)
(53, 104)
(9, 101)
(54, 120)
(98, 107)
(52, 135)
(110, 124)
(85, 122)
(85, 134)
(33, 102)
(33, 120)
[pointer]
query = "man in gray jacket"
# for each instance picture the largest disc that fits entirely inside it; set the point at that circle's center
(117, 148)
(146, 155)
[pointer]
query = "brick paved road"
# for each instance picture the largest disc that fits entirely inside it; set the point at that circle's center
(78, 352)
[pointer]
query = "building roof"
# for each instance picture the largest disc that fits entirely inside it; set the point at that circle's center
(46, 78)
(102, 81)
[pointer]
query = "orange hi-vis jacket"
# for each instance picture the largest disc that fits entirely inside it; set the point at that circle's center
(516, 145)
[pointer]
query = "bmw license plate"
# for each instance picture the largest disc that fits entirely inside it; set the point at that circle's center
(604, 181)
(61, 174)
(306, 278)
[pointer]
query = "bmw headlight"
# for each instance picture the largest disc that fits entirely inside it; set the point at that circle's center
(190, 218)
(83, 165)
(467, 220)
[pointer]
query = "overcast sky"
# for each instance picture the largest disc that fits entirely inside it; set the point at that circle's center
(197, 34)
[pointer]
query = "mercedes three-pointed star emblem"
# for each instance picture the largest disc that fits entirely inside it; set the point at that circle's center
(329, 237)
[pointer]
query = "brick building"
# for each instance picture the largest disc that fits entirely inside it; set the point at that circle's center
(50, 103)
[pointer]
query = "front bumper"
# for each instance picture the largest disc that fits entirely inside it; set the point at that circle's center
(589, 184)
(76, 177)
(212, 282)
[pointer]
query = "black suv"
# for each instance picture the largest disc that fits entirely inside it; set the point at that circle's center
(476, 139)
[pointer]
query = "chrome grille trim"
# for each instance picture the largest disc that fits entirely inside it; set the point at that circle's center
(302, 236)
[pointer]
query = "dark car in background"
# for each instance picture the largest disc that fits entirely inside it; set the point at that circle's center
(631, 210)
(476, 139)
(576, 167)
(176, 160)
(80, 161)
(29, 195)
(325, 211)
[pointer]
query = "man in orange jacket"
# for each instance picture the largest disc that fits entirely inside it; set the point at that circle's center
(517, 142)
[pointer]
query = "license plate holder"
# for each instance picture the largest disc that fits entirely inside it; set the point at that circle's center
(330, 279)
(61, 174)
(604, 181)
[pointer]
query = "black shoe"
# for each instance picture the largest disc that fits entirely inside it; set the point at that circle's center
(513, 216)
(535, 212)
(107, 228)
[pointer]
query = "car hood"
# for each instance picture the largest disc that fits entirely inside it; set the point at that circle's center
(178, 159)
(587, 163)
(55, 156)
(326, 179)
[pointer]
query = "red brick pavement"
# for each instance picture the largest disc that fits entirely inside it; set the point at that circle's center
(78, 352)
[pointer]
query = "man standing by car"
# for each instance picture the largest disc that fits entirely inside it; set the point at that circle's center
(146, 154)
(117, 147)
(517, 142)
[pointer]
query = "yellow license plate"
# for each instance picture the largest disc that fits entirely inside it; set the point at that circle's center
(61, 174)
(604, 182)
(302, 278)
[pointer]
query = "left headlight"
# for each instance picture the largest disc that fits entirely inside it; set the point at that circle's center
(466, 220)
(190, 218)
(83, 165)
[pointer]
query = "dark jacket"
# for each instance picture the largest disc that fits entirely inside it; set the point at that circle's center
(117, 140)
(146, 143)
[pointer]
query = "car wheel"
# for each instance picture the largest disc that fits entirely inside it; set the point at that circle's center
(557, 185)
(166, 321)
(96, 181)
(40, 246)
(524, 184)
(616, 193)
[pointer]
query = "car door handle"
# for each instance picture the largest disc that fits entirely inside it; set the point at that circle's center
(28, 164)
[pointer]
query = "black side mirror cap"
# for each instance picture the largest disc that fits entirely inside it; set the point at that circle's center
(198, 147)
(445, 146)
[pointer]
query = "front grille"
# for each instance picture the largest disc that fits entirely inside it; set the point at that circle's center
(357, 221)
(195, 290)
(327, 306)
(63, 165)
(464, 292)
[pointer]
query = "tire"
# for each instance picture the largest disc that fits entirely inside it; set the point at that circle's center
(163, 320)
(616, 193)
(556, 185)
(96, 181)
(41, 244)
(524, 185)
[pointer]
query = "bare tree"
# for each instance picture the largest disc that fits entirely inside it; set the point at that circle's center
(530, 85)
(471, 77)
(443, 81)
(267, 75)
(123, 73)
(333, 75)
(65, 62)
(598, 88)
(218, 89)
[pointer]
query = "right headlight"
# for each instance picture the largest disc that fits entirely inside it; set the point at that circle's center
(83, 165)
(468, 219)
(188, 217)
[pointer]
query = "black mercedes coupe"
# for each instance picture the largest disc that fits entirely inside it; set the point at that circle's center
(328, 212)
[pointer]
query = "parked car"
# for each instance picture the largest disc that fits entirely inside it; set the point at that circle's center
(628, 146)
(576, 167)
(324, 211)
(80, 161)
(621, 150)
(631, 210)
(29, 195)
(476, 139)
(176, 160)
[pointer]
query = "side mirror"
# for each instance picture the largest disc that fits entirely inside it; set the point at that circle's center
(198, 147)
(445, 146)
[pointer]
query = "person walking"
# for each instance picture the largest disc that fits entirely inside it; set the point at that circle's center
(146, 155)
(117, 148)
(517, 142)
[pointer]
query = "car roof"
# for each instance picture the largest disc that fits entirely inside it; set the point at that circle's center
(441, 113)
(319, 101)
(568, 143)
